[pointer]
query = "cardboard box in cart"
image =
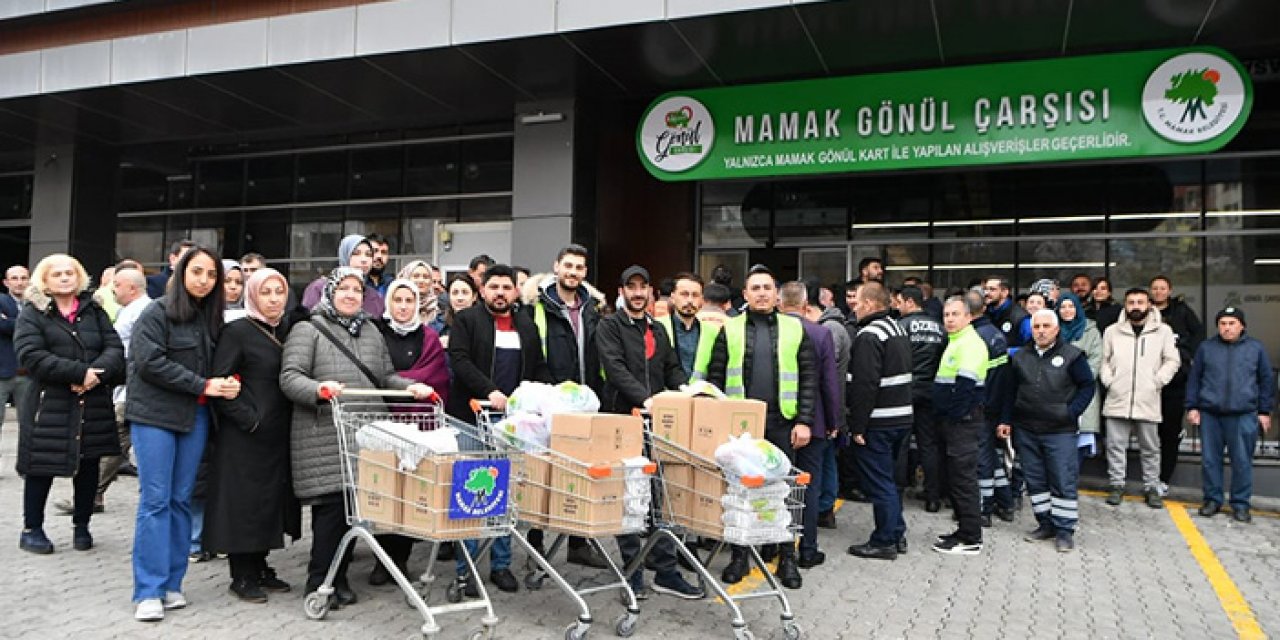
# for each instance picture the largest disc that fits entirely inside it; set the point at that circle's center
(697, 508)
(378, 488)
(597, 437)
(530, 492)
(426, 493)
(581, 503)
(715, 420)
(671, 419)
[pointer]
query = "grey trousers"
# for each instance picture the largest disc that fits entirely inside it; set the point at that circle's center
(1118, 431)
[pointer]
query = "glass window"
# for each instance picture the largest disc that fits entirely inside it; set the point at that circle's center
(219, 231)
(140, 190)
(962, 264)
(1146, 198)
(736, 213)
(1059, 260)
(901, 261)
(220, 183)
(141, 239)
(15, 245)
(891, 207)
(484, 209)
(432, 169)
(270, 180)
(975, 205)
(419, 236)
(811, 211)
(486, 165)
(1135, 261)
(1061, 201)
(736, 261)
(827, 265)
(313, 242)
(267, 232)
(377, 173)
(322, 176)
(1242, 194)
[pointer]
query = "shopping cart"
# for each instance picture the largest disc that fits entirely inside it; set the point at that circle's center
(393, 483)
(598, 512)
(691, 502)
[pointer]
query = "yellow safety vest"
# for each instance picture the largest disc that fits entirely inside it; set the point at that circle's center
(790, 334)
(665, 321)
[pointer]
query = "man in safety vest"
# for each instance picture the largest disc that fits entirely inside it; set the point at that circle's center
(684, 328)
(566, 318)
(764, 355)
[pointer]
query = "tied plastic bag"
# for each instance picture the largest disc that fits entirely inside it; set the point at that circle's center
(746, 456)
(409, 444)
(636, 487)
(750, 536)
(702, 388)
(571, 397)
(530, 397)
(523, 430)
(767, 518)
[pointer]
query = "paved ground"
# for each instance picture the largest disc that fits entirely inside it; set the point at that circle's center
(1134, 576)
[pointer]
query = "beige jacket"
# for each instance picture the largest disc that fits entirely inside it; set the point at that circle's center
(1136, 366)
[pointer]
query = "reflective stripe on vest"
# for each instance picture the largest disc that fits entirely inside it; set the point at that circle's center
(540, 321)
(790, 333)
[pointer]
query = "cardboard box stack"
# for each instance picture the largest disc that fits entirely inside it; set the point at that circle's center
(715, 420)
(426, 492)
(531, 489)
(378, 483)
(579, 503)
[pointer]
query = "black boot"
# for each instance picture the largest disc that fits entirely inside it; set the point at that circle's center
(788, 573)
(248, 590)
(737, 568)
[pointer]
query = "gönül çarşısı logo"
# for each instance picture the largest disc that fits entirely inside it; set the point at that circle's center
(479, 488)
(1193, 97)
(677, 134)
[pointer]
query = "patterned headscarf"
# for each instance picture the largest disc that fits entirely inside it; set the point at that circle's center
(428, 305)
(325, 307)
(252, 289)
(401, 328)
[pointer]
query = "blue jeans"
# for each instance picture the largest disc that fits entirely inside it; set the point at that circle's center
(1051, 466)
(499, 555)
(1239, 435)
(876, 462)
(167, 465)
(993, 482)
(828, 485)
(197, 525)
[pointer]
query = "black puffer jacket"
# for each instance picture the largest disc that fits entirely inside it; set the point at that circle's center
(169, 363)
(807, 394)
(1189, 332)
(57, 426)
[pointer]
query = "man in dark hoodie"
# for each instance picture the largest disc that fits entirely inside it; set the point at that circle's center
(566, 318)
(1002, 310)
(1188, 332)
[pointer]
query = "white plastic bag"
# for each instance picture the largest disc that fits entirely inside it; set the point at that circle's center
(531, 397)
(778, 519)
(747, 456)
(524, 430)
(403, 439)
(571, 397)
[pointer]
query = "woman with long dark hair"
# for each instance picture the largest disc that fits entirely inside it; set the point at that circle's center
(250, 504)
(68, 422)
(170, 382)
(463, 294)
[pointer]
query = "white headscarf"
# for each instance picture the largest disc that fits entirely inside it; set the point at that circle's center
(415, 321)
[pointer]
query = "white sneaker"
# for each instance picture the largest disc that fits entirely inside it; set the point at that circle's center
(1164, 490)
(174, 600)
(149, 610)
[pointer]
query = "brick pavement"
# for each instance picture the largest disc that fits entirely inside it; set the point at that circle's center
(1131, 577)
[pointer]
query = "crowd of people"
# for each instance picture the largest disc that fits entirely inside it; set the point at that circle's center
(216, 377)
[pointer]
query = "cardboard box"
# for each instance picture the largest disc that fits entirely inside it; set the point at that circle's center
(426, 494)
(709, 487)
(590, 507)
(671, 419)
(677, 483)
(715, 420)
(597, 437)
(378, 488)
(531, 492)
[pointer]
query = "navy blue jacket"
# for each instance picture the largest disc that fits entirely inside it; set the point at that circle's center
(8, 322)
(997, 364)
(1231, 378)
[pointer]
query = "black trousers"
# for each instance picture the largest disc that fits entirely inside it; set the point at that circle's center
(1172, 399)
(248, 566)
(328, 525)
(398, 547)
(962, 440)
(925, 428)
(35, 494)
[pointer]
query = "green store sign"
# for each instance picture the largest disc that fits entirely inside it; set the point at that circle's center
(1149, 103)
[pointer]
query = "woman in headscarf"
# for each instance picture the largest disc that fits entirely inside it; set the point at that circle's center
(417, 355)
(250, 504)
(1083, 333)
(314, 369)
(420, 274)
(357, 253)
(234, 290)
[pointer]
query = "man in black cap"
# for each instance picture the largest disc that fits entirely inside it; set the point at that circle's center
(638, 362)
(1230, 393)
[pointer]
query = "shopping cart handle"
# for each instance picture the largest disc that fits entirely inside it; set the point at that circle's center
(478, 405)
(597, 471)
(377, 393)
(752, 482)
(326, 393)
(651, 468)
(638, 412)
(803, 478)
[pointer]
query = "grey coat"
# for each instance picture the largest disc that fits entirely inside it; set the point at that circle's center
(833, 320)
(1090, 343)
(309, 359)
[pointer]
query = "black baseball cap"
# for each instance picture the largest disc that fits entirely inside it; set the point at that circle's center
(633, 271)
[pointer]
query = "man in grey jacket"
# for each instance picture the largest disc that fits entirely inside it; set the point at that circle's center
(1139, 357)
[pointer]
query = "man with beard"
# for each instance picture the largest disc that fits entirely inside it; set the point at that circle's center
(1139, 357)
(684, 329)
(765, 355)
(381, 253)
(491, 350)
(1002, 310)
(639, 362)
(1188, 332)
(1082, 286)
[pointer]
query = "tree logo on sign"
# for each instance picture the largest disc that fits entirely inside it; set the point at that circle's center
(1194, 97)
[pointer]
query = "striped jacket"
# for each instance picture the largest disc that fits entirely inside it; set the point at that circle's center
(879, 391)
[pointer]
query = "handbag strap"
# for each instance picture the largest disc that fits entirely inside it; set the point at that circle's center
(347, 352)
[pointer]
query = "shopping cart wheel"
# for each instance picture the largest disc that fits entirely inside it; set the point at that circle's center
(453, 593)
(625, 625)
(483, 633)
(533, 581)
(743, 633)
(791, 631)
(577, 631)
(316, 606)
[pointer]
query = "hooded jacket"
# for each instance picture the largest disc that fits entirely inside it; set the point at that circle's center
(833, 320)
(570, 355)
(1136, 365)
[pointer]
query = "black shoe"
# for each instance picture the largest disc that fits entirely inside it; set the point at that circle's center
(736, 569)
(81, 539)
(900, 546)
(638, 589)
(200, 556)
(343, 594)
(933, 506)
(1209, 508)
(504, 580)
(855, 495)
(269, 581)
(1154, 500)
(379, 576)
(674, 584)
(869, 550)
(1040, 534)
(1004, 514)
(35, 541)
(768, 552)
(468, 587)
(811, 559)
(1241, 515)
(248, 590)
(827, 519)
(127, 469)
(447, 553)
(986, 521)
(1065, 542)
(587, 556)
(788, 573)
(684, 562)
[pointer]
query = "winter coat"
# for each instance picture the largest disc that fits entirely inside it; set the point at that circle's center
(168, 366)
(309, 359)
(1048, 392)
(1231, 378)
(250, 501)
(833, 320)
(828, 413)
(880, 380)
(561, 345)
(630, 376)
(1090, 343)
(471, 351)
(1008, 319)
(421, 355)
(1188, 331)
(9, 309)
(58, 427)
(1136, 366)
(807, 394)
(928, 339)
